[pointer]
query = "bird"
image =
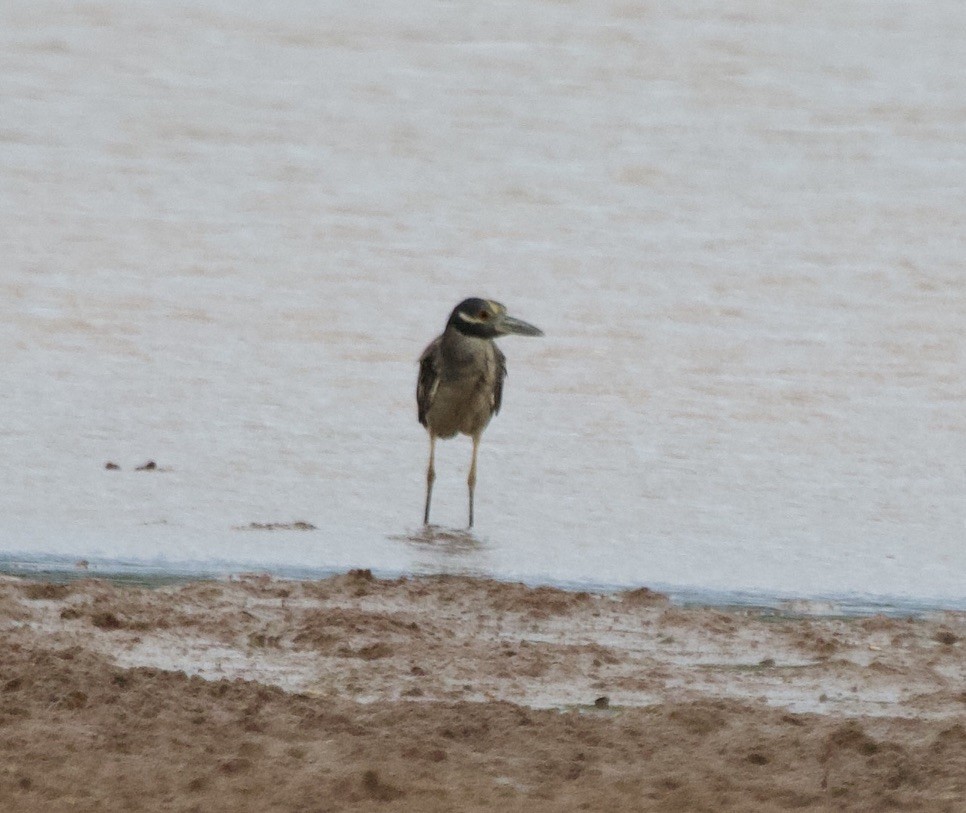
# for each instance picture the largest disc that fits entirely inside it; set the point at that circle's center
(460, 384)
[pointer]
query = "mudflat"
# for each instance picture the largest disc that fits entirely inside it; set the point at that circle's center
(454, 693)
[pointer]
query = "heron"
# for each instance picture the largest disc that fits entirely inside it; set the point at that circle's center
(461, 374)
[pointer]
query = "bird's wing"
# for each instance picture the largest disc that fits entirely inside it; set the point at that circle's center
(428, 378)
(500, 375)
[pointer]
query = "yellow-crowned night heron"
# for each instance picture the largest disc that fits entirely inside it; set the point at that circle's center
(461, 376)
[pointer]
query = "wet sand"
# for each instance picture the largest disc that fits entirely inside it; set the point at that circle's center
(452, 693)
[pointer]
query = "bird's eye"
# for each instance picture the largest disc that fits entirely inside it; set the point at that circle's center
(484, 315)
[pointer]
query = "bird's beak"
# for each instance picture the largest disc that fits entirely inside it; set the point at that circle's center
(509, 324)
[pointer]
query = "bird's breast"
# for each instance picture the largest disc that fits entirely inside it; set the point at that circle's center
(462, 405)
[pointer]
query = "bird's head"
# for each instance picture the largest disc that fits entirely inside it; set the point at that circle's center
(486, 319)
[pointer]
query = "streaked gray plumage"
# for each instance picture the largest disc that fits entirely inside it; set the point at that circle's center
(461, 373)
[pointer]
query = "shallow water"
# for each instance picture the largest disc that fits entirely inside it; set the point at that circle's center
(229, 231)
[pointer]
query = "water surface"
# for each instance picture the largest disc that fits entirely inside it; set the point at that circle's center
(230, 229)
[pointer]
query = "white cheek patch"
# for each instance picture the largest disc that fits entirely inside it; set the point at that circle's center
(471, 319)
(495, 310)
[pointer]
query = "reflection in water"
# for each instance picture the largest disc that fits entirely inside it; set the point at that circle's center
(451, 541)
(437, 549)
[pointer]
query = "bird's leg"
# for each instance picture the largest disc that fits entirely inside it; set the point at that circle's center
(471, 480)
(430, 476)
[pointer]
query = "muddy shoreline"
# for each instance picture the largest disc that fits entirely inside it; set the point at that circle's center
(454, 693)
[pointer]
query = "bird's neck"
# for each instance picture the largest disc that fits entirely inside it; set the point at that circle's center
(460, 349)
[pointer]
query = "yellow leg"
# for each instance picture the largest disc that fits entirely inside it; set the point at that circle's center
(471, 480)
(430, 476)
